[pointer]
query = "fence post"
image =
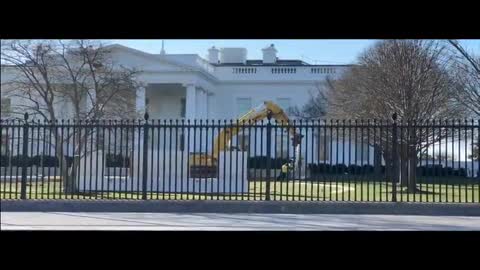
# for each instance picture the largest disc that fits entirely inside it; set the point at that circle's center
(269, 155)
(145, 157)
(394, 158)
(23, 189)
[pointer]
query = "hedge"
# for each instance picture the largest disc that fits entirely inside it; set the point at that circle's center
(38, 160)
(260, 162)
(340, 168)
(47, 161)
(20, 161)
(436, 170)
(4, 161)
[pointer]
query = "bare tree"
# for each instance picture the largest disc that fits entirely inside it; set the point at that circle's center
(48, 75)
(406, 77)
(466, 70)
(315, 107)
(471, 58)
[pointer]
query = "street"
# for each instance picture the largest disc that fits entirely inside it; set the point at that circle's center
(210, 221)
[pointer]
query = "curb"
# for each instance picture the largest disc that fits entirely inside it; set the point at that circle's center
(275, 207)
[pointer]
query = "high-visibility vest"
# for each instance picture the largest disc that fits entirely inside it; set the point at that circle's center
(285, 168)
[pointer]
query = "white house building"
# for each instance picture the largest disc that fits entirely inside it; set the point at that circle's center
(224, 86)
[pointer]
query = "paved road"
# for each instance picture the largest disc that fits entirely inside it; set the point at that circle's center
(169, 221)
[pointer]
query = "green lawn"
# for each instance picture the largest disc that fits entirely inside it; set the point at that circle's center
(324, 190)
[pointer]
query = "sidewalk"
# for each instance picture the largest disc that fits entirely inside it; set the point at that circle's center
(215, 222)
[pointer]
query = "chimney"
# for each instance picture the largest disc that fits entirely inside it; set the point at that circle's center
(269, 55)
(233, 55)
(213, 55)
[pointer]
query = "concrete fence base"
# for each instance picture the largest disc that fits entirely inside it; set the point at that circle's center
(242, 207)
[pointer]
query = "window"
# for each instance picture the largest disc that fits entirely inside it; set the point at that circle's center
(243, 105)
(5, 106)
(183, 106)
(284, 103)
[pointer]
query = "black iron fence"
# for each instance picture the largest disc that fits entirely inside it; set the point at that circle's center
(336, 160)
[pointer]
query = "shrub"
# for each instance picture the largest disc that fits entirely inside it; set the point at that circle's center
(260, 162)
(4, 161)
(320, 168)
(20, 161)
(435, 170)
(421, 170)
(45, 161)
(460, 172)
(341, 168)
(38, 160)
(448, 171)
(354, 169)
(278, 162)
(368, 169)
(325, 168)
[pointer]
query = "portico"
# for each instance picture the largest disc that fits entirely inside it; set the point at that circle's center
(172, 101)
(176, 102)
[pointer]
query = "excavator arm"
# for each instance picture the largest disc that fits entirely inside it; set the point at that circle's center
(204, 165)
(256, 114)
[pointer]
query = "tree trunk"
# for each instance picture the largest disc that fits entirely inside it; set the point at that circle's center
(68, 178)
(68, 174)
(408, 168)
(71, 178)
(403, 157)
(412, 166)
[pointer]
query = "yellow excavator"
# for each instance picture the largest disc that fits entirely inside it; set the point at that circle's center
(205, 165)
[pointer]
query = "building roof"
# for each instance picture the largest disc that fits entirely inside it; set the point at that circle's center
(279, 62)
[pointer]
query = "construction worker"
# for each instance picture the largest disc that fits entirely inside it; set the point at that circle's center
(285, 169)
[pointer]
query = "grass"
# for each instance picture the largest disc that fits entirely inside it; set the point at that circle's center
(324, 190)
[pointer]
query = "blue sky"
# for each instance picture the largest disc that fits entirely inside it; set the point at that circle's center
(313, 51)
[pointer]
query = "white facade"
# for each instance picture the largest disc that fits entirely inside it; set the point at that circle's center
(222, 87)
(211, 90)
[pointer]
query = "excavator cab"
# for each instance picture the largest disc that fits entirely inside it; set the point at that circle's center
(202, 165)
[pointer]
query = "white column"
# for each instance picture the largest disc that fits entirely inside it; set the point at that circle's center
(202, 104)
(191, 113)
(191, 102)
(140, 101)
(202, 114)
